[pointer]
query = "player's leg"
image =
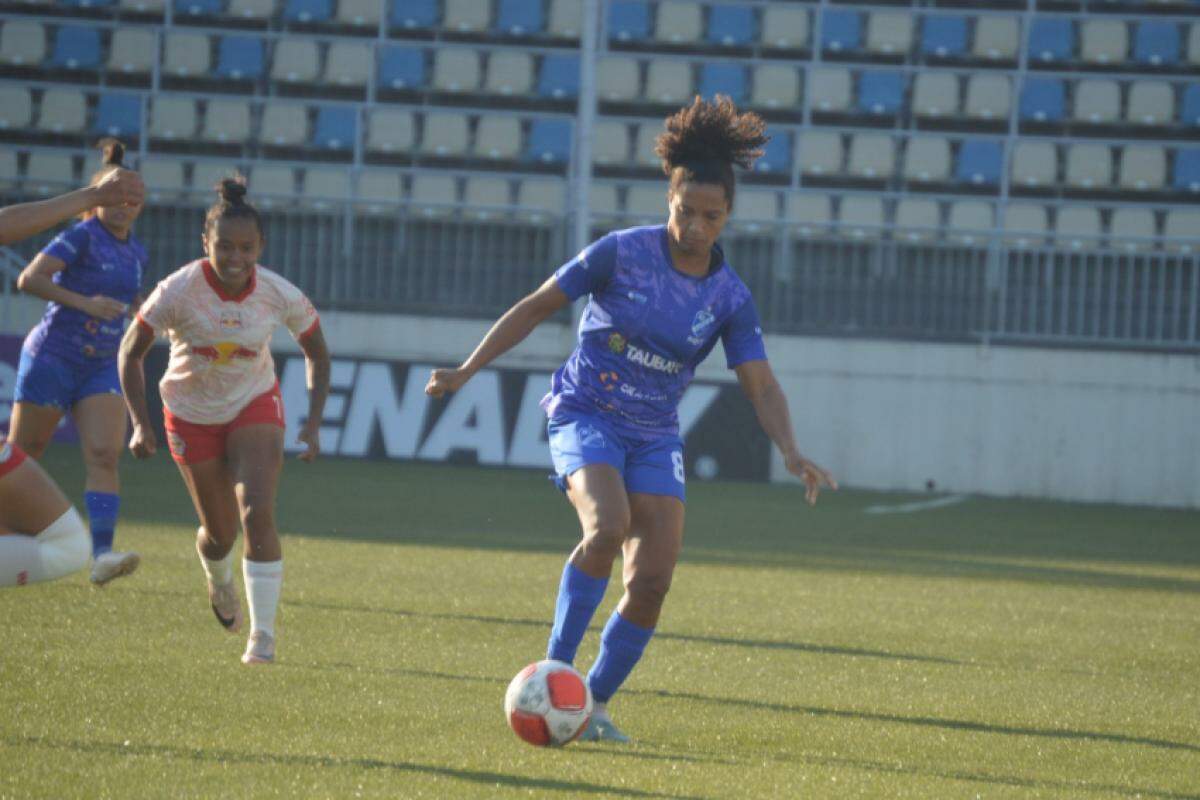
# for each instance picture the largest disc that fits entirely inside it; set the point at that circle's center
(100, 418)
(32, 426)
(43, 392)
(41, 535)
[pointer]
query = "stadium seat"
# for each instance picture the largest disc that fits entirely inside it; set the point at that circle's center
(348, 64)
(390, 130)
(980, 162)
(485, 198)
(872, 156)
(336, 128)
(944, 36)
(628, 20)
(861, 217)
(296, 60)
(755, 210)
(466, 16)
(226, 122)
(163, 179)
(809, 214)
(307, 10)
(1189, 109)
(198, 8)
(1142, 167)
(510, 73)
(1193, 44)
(284, 125)
(927, 158)
(784, 26)
(16, 108)
(186, 55)
(776, 86)
(880, 92)
(644, 137)
(970, 222)
(207, 175)
(76, 48)
(1096, 101)
(820, 153)
(549, 141)
(777, 154)
(1078, 227)
(1179, 230)
(1156, 43)
(434, 195)
(456, 70)
(9, 175)
(414, 14)
(602, 201)
(989, 97)
(722, 77)
(497, 137)
(841, 31)
(1051, 39)
(519, 18)
(559, 77)
(257, 10)
(1034, 164)
(143, 6)
(62, 111)
(446, 134)
(565, 18)
(324, 189)
(996, 38)
(401, 67)
(610, 142)
(1150, 103)
(132, 50)
(1187, 170)
(359, 13)
(379, 191)
(84, 3)
(22, 43)
(731, 25)
(830, 88)
(678, 22)
(239, 58)
(917, 219)
(668, 82)
(645, 203)
(173, 118)
(935, 94)
(49, 173)
(618, 79)
(1132, 229)
(889, 32)
(272, 185)
(1103, 41)
(1089, 166)
(118, 114)
(540, 200)
(1043, 100)
(1025, 225)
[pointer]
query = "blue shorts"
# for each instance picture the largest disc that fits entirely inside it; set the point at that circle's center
(649, 465)
(47, 380)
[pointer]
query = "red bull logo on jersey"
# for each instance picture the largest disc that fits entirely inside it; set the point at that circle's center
(652, 360)
(231, 320)
(223, 352)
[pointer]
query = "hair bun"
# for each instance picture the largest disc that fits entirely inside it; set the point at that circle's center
(233, 191)
(114, 151)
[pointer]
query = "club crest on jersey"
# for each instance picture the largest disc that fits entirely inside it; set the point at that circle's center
(231, 320)
(616, 343)
(704, 317)
(224, 352)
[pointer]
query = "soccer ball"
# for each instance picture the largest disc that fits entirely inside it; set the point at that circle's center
(548, 703)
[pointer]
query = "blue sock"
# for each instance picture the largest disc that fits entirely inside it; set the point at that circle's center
(102, 509)
(578, 596)
(621, 646)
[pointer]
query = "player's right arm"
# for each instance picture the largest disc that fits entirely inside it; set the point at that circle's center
(37, 279)
(134, 346)
(512, 328)
(118, 187)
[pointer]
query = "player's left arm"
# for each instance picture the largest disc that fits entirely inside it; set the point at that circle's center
(770, 404)
(317, 366)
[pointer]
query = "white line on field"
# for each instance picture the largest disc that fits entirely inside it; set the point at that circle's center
(919, 505)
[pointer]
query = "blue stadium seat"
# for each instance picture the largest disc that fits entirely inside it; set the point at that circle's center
(118, 114)
(414, 14)
(777, 155)
(549, 141)
(1043, 100)
(731, 25)
(76, 48)
(1187, 170)
(1189, 111)
(841, 31)
(519, 18)
(1052, 39)
(401, 68)
(559, 78)
(944, 36)
(199, 8)
(87, 3)
(722, 77)
(308, 10)
(980, 162)
(628, 20)
(1156, 42)
(239, 58)
(881, 92)
(336, 128)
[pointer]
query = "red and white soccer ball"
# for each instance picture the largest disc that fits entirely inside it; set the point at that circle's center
(548, 703)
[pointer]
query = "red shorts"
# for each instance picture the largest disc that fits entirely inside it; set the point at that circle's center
(191, 443)
(11, 457)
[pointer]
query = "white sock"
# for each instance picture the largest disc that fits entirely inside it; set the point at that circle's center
(220, 572)
(61, 549)
(263, 582)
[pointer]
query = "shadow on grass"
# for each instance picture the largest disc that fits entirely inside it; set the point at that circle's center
(219, 756)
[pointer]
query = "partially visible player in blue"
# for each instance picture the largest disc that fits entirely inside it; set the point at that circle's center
(91, 274)
(661, 297)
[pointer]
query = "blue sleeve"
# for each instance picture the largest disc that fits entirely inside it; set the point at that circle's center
(590, 270)
(742, 336)
(70, 246)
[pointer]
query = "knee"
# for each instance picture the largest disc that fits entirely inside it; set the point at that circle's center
(648, 588)
(64, 546)
(607, 534)
(102, 457)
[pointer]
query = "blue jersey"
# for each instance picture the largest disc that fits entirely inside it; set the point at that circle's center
(646, 328)
(97, 263)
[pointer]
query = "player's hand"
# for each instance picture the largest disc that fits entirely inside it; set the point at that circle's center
(310, 436)
(120, 187)
(104, 308)
(445, 380)
(813, 476)
(143, 443)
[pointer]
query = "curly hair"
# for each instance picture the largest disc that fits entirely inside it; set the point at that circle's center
(702, 142)
(232, 204)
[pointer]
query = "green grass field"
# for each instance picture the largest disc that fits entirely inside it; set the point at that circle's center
(991, 649)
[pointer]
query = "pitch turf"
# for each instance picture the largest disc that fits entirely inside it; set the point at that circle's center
(991, 649)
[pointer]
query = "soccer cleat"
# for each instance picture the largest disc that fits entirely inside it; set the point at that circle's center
(112, 564)
(600, 728)
(225, 605)
(260, 648)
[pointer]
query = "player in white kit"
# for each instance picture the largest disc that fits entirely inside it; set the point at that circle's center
(222, 407)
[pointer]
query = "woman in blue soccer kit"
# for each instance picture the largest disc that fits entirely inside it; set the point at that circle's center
(660, 298)
(91, 276)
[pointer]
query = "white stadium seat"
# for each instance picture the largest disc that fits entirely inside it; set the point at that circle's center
(390, 130)
(810, 214)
